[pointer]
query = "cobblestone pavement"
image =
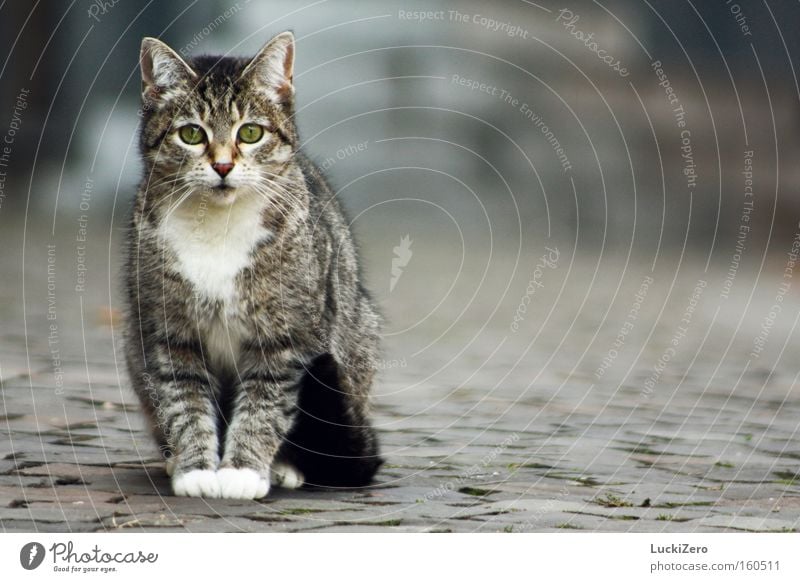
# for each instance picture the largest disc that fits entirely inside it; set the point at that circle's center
(561, 422)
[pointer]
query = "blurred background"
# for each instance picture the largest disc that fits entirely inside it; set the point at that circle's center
(397, 70)
(621, 140)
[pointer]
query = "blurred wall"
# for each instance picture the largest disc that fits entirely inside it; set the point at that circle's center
(619, 124)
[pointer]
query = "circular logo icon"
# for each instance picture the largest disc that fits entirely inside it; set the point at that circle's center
(31, 555)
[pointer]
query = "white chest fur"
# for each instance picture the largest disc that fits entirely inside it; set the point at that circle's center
(212, 244)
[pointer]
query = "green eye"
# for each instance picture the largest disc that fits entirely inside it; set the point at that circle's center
(192, 134)
(250, 133)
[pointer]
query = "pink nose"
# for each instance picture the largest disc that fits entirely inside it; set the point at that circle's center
(222, 169)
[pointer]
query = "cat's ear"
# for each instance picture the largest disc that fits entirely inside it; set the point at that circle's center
(272, 69)
(162, 69)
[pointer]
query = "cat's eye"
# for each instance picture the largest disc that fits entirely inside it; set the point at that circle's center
(250, 133)
(192, 134)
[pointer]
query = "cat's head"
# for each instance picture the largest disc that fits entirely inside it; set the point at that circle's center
(217, 126)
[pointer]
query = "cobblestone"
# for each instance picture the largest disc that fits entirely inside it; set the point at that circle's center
(483, 430)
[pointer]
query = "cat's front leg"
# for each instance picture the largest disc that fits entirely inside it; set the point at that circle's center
(264, 407)
(186, 415)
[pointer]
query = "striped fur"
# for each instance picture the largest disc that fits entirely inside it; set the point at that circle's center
(250, 340)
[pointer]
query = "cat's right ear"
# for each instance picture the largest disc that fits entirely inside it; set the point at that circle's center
(162, 69)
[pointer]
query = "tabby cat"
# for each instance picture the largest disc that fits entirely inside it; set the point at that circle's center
(250, 340)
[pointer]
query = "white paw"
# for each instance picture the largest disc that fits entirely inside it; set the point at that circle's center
(197, 483)
(241, 484)
(286, 476)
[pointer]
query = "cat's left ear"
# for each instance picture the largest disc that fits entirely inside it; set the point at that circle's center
(272, 68)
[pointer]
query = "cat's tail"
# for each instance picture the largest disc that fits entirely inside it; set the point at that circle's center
(332, 442)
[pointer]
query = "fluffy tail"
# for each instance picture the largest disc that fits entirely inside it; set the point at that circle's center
(329, 443)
